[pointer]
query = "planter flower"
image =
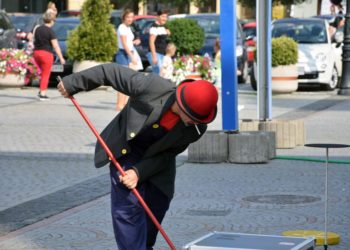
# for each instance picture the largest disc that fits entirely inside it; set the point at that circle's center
(17, 64)
(193, 66)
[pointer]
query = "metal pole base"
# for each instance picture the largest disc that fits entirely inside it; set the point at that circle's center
(344, 92)
(325, 247)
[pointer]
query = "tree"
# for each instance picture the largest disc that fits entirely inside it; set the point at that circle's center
(94, 38)
(187, 35)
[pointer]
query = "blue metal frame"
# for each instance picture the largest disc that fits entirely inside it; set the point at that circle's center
(229, 94)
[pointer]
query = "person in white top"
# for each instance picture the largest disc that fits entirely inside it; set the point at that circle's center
(127, 54)
(167, 68)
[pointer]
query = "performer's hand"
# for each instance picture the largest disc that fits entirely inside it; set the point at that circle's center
(62, 90)
(130, 179)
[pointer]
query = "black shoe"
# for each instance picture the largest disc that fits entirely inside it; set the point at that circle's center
(43, 97)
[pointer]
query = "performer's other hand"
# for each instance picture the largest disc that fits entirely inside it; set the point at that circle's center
(62, 90)
(130, 179)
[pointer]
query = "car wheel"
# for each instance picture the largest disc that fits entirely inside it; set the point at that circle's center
(252, 78)
(243, 78)
(334, 81)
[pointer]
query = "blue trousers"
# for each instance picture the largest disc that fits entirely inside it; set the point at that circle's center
(133, 230)
(155, 67)
(122, 58)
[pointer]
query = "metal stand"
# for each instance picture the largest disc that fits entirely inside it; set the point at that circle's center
(327, 146)
(326, 202)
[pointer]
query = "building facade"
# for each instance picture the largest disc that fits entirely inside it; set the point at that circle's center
(32, 6)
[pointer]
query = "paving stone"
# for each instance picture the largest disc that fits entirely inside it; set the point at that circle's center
(47, 148)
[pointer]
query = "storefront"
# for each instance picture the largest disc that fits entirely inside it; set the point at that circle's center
(30, 6)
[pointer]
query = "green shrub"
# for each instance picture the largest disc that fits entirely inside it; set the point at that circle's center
(187, 35)
(95, 38)
(284, 51)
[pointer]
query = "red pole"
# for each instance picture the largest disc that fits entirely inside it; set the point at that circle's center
(121, 171)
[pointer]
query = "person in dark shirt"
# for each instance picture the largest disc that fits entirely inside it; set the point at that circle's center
(45, 42)
(158, 36)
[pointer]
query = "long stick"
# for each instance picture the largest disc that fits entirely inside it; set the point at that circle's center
(121, 171)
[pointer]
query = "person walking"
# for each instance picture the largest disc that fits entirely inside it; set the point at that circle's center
(158, 38)
(159, 122)
(45, 42)
(127, 54)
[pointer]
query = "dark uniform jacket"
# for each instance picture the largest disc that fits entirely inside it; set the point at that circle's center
(150, 97)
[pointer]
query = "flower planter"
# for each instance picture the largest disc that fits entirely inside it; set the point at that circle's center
(193, 67)
(284, 79)
(17, 68)
(12, 80)
(194, 76)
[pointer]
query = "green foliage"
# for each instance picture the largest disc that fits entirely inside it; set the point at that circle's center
(95, 38)
(284, 51)
(187, 35)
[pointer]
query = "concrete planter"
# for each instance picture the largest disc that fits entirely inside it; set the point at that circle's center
(286, 132)
(300, 132)
(12, 80)
(80, 66)
(248, 125)
(284, 79)
(211, 147)
(249, 147)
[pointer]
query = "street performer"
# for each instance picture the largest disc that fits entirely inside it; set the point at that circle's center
(158, 123)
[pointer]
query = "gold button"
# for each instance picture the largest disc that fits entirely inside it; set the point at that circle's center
(155, 125)
(132, 135)
(124, 151)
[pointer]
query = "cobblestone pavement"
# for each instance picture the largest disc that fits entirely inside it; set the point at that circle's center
(220, 197)
(46, 148)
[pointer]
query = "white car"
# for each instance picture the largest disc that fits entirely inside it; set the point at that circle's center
(319, 55)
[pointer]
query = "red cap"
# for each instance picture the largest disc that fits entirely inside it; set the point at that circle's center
(198, 100)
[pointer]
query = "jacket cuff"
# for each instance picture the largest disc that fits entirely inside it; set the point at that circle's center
(137, 172)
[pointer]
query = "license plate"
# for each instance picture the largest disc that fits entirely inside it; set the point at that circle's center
(57, 68)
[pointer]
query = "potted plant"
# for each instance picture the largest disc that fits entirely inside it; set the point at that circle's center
(17, 68)
(94, 41)
(284, 65)
(284, 68)
(194, 67)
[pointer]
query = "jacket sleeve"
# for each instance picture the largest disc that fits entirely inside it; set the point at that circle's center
(152, 165)
(123, 79)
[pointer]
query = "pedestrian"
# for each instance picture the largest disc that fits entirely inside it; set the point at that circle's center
(158, 38)
(217, 63)
(167, 68)
(159, 122)
(127, 54)
(51, 6)
(45, 42)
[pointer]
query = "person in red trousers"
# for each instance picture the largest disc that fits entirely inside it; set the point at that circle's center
(45, 42)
